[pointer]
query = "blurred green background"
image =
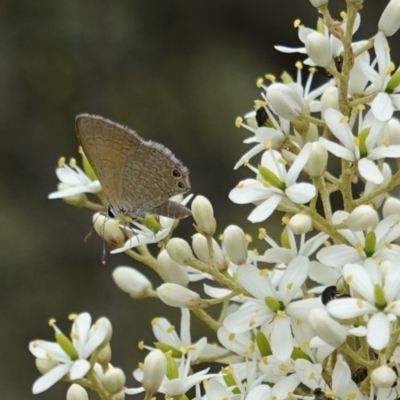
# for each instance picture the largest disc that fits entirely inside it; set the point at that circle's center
(178, 72)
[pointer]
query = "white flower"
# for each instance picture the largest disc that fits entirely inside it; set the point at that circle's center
(363, 150)
(284, 254)
(143, 235)
(74, 181)
(336, 46)
(375, 244)
(283, 188)
(71, 355)
(272, 309)
(388, 98)
(342, 385)
(376, 293)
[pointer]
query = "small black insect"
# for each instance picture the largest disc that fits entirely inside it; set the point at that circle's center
(359, 375)
(338, 60)
(319, 394)
(331, 293)
(261, 116)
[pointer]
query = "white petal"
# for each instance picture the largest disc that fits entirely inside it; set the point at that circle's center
(281, 338)
(338, 255)
(298, 165)
(382, 107)
(378, 331)
(50, 378)
(346, 308)
(340, 128)
(301, 193)
(79, 369)
(360, 281)
(264, 210)
(259, 286)
(249, 316)
(338, 150)
(248, 191)
(370, 171)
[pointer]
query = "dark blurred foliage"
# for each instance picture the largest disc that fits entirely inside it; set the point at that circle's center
(176, 71)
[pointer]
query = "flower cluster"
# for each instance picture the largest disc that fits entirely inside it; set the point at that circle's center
(316, 315)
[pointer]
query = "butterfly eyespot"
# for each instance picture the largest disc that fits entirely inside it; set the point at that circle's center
(176, 173)
(181, 185)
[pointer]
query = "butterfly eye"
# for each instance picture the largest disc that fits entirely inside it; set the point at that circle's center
(181, 185)
(176, 173)
(110, 212)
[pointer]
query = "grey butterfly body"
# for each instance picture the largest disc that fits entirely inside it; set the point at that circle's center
(137, 176)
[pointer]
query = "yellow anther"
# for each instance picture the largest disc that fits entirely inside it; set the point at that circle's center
(298, 65)
(154, 321)
(61, 161)
(238, 122)
(270, 77)
(259, 82)
(296, 23)
(248, 237)
(52, 321)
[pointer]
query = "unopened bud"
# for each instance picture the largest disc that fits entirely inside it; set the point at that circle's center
(170, 271)
(300, 224)
(330, 99)
(109, 230)
(318, 160)
(235, 244)
(104, 355)
(285, 101)
(370, 187)
(104, 323)
(391, 131)
(179, 250)
(319, 3)
(390, 207)
(131, 281)
(383, 377)
(389, 23)
(203, 214)
(200, 247)
(114, 380)
(177, 296)
(319, 49)
(362, 218)
(154, 370)
(44, 365)
(77, 392)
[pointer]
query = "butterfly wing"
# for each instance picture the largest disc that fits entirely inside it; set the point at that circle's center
(154, 172)
(106, 145)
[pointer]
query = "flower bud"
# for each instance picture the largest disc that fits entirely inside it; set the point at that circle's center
(235, 244)
(383, 377)
(362, 218)
(318, 3)
(300, 223)
(104, 323)
(318, 160)
(389, 23)
(312, 134)
(114, 380)
(104, 355)
(109, 230)
(179, 250)
(203, 214)
(319, 49)
(131, 281)
(330, 99)
(392, 131)
(154, 370)
(171, 271)
(200, 247)
(177, 296)
(285, 101)
(77, 392)
(44, 365)
(327, 328)
(390, 207)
